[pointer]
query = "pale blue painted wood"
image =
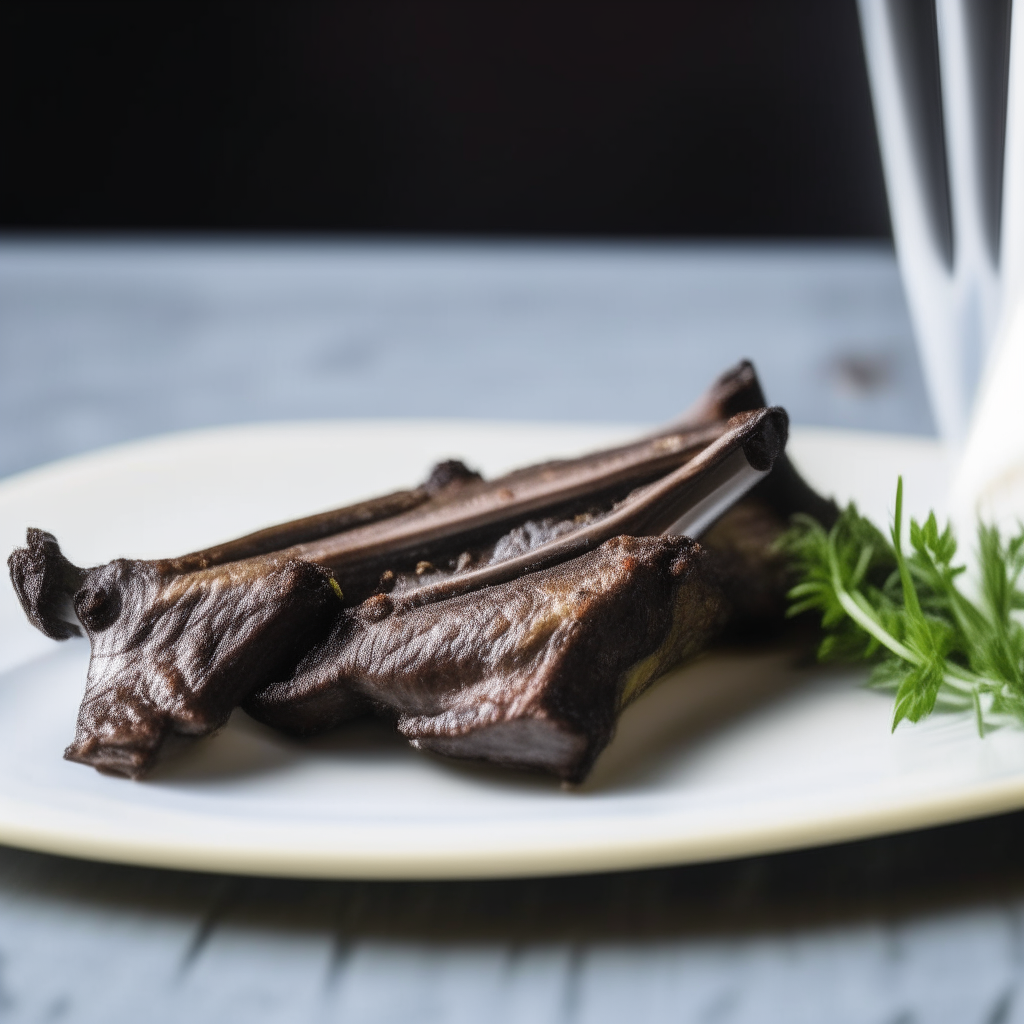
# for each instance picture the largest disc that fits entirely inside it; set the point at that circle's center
(98, 943)
(104, 343)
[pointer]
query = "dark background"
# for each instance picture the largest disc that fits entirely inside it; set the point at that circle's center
(634, 118)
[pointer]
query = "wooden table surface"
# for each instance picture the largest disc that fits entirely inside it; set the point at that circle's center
(103, 342)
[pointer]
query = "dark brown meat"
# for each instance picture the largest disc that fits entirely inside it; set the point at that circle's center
(532, 673)
(544, 596)
(177, 653)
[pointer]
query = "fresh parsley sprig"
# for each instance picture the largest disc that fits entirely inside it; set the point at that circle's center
(932, 645)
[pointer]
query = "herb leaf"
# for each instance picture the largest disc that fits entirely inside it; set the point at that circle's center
(933, 647)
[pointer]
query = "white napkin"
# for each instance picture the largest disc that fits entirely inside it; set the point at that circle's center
(989, 483)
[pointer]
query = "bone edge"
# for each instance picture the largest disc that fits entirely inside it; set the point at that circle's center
(736, 390)
(703, 416)
(654, 511)
(303, 531)
(657, 463)
(726, 484)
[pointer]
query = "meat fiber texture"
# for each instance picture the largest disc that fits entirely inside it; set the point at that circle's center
(532, 673)
(508, 620)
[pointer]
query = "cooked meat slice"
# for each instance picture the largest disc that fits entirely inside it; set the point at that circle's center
(414, 597)
(531, 673)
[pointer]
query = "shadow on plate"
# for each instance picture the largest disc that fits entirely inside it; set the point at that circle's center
(691, 704)
(244, 747)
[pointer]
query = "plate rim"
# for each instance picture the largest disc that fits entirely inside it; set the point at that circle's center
(672, 847)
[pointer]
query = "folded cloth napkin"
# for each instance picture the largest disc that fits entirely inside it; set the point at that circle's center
(989, 482)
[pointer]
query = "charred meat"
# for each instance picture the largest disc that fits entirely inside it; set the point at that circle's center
(506, 620)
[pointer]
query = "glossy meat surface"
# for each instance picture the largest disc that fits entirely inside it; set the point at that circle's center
(531, 673)
(175, 654)
(508, 620)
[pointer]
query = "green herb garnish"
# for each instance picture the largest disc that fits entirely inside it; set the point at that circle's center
(934, 647)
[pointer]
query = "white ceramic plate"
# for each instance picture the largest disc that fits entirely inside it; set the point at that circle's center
(737, 754)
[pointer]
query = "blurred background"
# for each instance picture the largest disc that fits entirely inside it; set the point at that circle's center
(550, 211)
(563, 118)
